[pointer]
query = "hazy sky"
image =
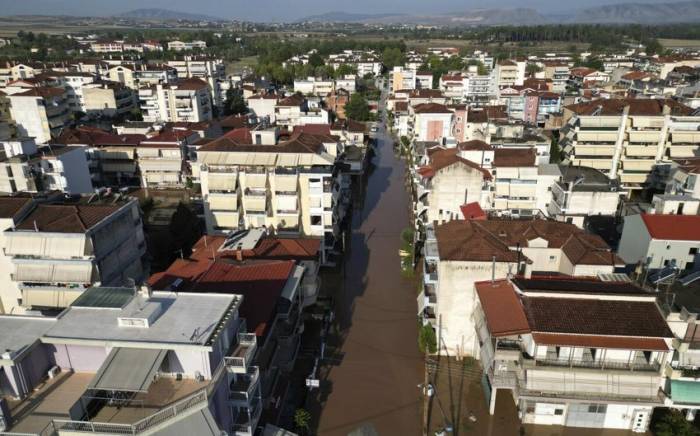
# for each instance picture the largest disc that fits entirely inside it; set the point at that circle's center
(283, 10)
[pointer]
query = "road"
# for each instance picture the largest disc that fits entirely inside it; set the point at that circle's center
(371, 377)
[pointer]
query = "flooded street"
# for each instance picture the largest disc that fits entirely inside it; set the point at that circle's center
(373, 368)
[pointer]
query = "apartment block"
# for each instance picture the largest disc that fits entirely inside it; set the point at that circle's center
(577, 353)
(288, 186)
(40, 112)
(626, 138)
(126, 361)
(187, 100)
(62, 247)
(459, 253)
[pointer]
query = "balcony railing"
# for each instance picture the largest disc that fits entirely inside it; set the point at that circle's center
(596, 364)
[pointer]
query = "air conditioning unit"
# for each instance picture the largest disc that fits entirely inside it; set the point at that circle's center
(53, 371)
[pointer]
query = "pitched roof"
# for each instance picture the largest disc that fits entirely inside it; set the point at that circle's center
(299, 142)
(638, 107)
(673, 227)
(573, 285)
(11, 206)
(443, 158)
(66, 218)
(474, 144)
(593, 341)
(431, 108)
(514, 157)
(473, 240)
(595, 317)
(502, 307)
(268, 247)
(472, 211)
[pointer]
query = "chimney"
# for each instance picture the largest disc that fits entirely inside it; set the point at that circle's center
(239, 254)
(145, 291)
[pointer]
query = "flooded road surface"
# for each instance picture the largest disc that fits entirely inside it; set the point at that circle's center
(370, 379)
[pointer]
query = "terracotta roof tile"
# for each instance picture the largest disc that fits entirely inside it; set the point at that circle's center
(673, 227)
(502, 308)
(66, 218)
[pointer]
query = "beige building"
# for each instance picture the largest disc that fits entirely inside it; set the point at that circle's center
(626, 138)
(60, 248)
(460, 253)
(285, 185)
(108, 98)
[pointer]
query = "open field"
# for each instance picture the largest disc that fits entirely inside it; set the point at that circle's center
(237, 66)
(680, 43)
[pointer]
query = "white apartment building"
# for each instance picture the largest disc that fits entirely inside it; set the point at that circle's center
(211, 70)
(626, 138)
(187, 100)
(61, 248)
(40, 112)
(581, 192)
(429, 122)
(12, 211)
(128, 361)
(575, 353)
(189, 45)
(263, 106)
(657, 241)
(510, 73)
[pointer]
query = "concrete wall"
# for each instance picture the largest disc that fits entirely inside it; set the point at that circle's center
(452, 187)
(78, 358)
(635, 240)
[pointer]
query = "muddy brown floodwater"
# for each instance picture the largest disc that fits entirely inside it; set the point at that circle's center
(370, 380)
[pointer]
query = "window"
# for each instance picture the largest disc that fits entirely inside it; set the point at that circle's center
(315, 220)
(552, 258)
(558, 412)
(693, 251)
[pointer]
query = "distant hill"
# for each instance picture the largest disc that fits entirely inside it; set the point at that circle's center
(472, 17)
(344, 17)
(644, 13)
(165, 14)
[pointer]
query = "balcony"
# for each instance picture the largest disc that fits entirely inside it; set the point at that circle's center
(637, 365)
(243, 388)
(239, 361)
(247, 419)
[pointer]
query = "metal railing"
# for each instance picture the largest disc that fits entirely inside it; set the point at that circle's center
(193, 400)
(599, 364)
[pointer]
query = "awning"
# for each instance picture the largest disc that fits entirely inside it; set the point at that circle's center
(128, 370)
(685, 392)
(50, 297)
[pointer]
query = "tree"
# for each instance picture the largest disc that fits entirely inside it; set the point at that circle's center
(532, 69)
(673, 423)
(357, 108)
(653, 47)
(554, 150)
(316, 60)
(234, 103)
(427, 341)
(185, 229)
(302, 420)
(393, 56)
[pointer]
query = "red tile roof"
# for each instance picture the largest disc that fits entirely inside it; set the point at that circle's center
(673, 227)
(11, 206)
(443, 158)
(431, 108)
(472, 211)
(66, 218)
(502, 308)
(514, 157)
(260, 283)
(268, 247)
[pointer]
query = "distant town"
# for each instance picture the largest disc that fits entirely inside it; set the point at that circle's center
(328, 228)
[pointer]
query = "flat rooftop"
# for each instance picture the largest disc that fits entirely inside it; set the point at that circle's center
(25, 331)
(184, 319)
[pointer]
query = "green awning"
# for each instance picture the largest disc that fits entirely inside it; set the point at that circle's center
(685, 392)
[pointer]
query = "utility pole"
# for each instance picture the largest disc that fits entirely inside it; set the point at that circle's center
(426, 397)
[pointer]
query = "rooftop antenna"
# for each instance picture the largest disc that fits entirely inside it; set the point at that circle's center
(36, 228)
(493, 270)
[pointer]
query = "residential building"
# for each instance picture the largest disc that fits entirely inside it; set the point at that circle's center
(430, 122)
(12, 211)
(287, 185)
(40, 112)
(62, 247)
(263, 106)
(48, 168)
(460, 253)
(108, 99)
(657, 241)
(681, 387)
(582, 192)
(162, 158)
(188, 45)
(187, 100)
(626, 138)
(135, 362)
(510, 73)
(446, 183)
(577, 353)
(211, 70)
